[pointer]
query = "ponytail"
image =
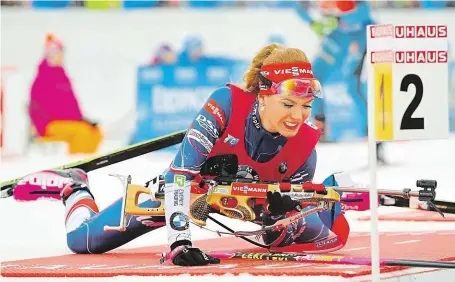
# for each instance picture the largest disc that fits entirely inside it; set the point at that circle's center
(270, 54)
(251, 77)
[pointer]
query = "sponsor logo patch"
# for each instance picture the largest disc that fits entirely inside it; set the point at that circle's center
(216, 112)
(231, 140)
(178, 198)
(208, 126)
(179, 221)
(325, 242)
(255, 117)
(201, 139)
(179, 180)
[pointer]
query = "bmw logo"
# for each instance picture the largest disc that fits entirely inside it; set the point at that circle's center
(179, 221)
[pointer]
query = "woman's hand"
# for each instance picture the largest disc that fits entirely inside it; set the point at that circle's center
(280, 205)
(185, 255)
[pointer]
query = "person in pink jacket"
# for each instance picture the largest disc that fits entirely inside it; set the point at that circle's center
(54, 109)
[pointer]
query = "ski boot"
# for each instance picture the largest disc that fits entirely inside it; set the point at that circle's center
(47, 184)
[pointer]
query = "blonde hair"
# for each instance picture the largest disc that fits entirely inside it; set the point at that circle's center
(271, 54)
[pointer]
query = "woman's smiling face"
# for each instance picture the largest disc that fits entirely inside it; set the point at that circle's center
(284, 114)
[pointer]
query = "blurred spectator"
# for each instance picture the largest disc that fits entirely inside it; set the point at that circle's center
(270, 4)
(140, 4)
(207, 3)
(193, 53)
(147, 4)
(193, 50)
(103, 4)
(11, 3)
(49, 4)
(277, 38)
(404, 4)
(165, 55)
(431, 4)
(54, 109)
(78, 3)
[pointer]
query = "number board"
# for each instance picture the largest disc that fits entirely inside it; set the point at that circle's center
(408, 74)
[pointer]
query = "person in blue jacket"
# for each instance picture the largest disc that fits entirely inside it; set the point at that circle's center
(193, 52)
(343, 50)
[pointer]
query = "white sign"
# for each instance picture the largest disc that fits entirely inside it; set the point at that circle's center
(408, 74)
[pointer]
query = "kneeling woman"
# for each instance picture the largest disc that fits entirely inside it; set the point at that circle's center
(265, 124)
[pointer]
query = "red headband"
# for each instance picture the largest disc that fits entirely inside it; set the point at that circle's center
(280, 72)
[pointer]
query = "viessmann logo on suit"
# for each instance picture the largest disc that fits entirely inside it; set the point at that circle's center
(213, 109)
(249, 189)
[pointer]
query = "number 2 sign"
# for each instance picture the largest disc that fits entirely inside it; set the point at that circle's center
(408, 74)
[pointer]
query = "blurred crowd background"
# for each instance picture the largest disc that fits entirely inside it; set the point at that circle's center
(209, 4)
(160, 60)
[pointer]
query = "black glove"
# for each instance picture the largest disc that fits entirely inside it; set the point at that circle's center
(185, 255)
(280, 205)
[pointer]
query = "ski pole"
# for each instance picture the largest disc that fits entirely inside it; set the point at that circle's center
(331, 259)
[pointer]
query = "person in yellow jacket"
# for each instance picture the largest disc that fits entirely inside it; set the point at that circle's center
(54, 109)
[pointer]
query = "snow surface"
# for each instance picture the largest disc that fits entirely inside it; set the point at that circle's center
(35, 229)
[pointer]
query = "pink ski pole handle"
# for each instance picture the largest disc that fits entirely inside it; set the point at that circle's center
(331, 259)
